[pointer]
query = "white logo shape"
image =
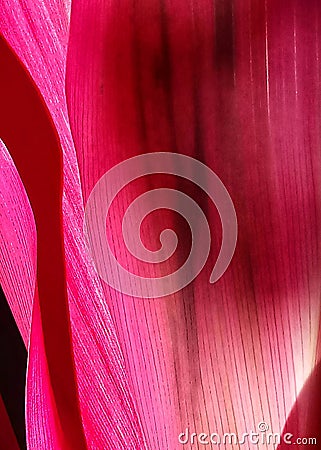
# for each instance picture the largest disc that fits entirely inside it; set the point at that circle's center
(106, 190)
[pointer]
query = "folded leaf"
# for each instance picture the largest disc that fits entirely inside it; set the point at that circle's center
(38, 32)
(18, 244)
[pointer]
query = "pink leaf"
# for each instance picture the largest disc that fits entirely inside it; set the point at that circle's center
(236, 86)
